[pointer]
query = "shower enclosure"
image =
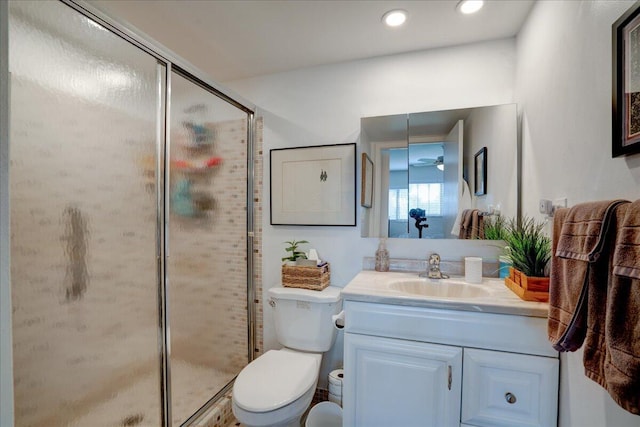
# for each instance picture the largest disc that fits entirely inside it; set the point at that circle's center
(130, 258)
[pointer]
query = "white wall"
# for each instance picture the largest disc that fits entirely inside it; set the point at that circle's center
(323, 105)
(563, 87)
(496, 128)
(564, 90)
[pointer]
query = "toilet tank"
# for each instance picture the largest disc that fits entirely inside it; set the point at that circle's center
(303, 317)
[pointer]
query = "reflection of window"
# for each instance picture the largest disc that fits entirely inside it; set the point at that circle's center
(424, 196)
(398, 203)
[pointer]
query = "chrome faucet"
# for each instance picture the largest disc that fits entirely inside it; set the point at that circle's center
(433, 269)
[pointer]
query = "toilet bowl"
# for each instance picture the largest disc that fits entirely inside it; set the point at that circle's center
(276, 389)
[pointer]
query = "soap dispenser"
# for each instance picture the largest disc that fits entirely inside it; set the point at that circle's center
(382, 256)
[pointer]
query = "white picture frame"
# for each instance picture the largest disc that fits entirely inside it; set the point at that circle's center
(314, 185)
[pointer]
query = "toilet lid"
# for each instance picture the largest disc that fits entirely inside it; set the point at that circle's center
(274, 380)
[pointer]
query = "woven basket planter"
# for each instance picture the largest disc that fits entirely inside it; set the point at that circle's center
(314, 278)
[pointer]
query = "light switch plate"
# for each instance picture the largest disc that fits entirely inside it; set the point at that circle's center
(545, 206)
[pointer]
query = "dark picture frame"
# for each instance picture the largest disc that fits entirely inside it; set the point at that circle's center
(480, 172)
(626, 83)
(366, 190)
(313, 185)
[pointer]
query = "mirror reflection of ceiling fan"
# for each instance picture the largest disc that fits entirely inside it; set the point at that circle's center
(423, 161)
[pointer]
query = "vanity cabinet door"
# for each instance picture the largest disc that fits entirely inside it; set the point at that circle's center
(509, 390)
(391, 382)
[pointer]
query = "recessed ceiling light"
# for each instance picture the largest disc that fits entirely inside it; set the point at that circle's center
(469, 6)
(394, 18)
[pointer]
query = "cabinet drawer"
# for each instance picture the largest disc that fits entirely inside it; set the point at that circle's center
(518, 334)
(510, 390)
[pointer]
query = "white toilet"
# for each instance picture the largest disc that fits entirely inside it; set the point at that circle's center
(277, 388)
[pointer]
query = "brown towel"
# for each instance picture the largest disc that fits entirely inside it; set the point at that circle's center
(566, 294)
(621, 361)
(476, 231)
(563, 298)
(584, 229)
(480, 226)
(475, 224)
(579, 265)
(465, 224)
(626, 259)
(596, 353)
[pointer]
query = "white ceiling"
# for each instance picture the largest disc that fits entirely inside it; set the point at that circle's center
(233, 40)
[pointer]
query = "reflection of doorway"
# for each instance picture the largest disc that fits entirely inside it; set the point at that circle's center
(421, 171)
(387, 156)
(453, 149)
(434, 176)
(415, 181)
(422, 176)
(397, 193)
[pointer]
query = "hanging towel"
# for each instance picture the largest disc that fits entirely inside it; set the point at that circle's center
(477, 225)
(566, 295)
(626, 259)
(595, 348)
(464, 203)
(475, 221)
(621, 374)
(583, 232)
(579, 270)
(465, 224)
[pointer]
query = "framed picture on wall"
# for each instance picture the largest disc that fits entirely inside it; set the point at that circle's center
(366, 193)
(313, 185)
(480, 172)
(626, 83)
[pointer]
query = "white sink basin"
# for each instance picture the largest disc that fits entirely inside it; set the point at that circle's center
(439, 288)
(407, 289)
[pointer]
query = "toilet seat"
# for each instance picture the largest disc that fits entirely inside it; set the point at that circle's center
(274, 380)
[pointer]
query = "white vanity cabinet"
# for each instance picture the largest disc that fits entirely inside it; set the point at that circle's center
(402, 383)
(415, 366)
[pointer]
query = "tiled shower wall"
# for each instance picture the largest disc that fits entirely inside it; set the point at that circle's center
(221, 415)
(258, 203)
(207, 270)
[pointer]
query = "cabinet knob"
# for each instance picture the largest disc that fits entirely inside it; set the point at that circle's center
(510, 398)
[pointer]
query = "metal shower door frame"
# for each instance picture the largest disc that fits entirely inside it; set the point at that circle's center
(167, 62)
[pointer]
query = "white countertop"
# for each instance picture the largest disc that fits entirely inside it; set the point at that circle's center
(373, 286)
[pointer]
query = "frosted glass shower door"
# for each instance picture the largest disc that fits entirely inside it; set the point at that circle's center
(207, 245)
(85, 112)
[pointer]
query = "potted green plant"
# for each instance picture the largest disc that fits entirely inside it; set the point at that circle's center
(293, 253)
(529, 249)
(495, 227)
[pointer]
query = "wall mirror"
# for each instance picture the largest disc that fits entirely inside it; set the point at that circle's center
(424, 169)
